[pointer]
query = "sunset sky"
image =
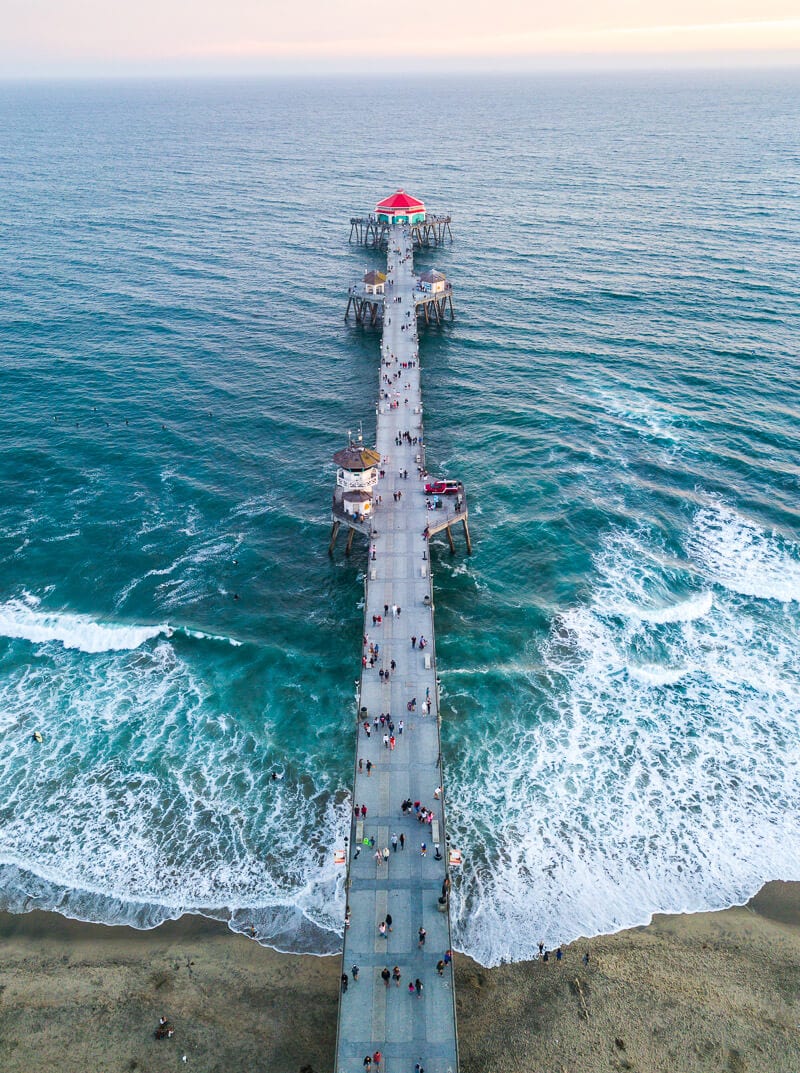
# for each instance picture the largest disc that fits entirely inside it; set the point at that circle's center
(84, 37)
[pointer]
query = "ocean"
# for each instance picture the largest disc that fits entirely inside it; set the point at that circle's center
(619, 391)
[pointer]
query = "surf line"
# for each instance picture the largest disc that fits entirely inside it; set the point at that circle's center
(398, 859)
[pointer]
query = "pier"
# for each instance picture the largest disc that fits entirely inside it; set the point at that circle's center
(398, 859)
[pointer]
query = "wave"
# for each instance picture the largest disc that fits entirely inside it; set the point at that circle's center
(161, 792)
(20, 621)
(684, 611)
(655, 675)
(641, 775)
(742, 557)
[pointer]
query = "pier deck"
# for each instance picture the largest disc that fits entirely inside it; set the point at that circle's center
(406, 1028)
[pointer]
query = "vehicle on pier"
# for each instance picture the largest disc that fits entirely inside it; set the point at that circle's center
(443, 488)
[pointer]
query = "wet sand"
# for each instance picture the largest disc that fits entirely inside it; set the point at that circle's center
(704, 992)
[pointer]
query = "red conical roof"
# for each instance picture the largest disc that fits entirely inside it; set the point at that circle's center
(400, 200)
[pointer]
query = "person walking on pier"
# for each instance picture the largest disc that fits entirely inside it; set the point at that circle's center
(396, 975)
(344, 982)
(386, 976)
(354, 973)
(394, 843)
(422, 937)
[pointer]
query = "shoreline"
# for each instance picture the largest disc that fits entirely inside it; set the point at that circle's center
(688, 992)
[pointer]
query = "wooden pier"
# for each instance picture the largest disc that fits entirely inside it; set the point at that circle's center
(399, 999)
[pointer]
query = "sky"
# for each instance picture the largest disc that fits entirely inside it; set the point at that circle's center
(57, 38)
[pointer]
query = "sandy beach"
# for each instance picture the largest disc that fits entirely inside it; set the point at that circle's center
(703, 992)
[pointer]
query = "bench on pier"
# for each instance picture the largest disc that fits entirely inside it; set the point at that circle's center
(435, 833)
(359, 832)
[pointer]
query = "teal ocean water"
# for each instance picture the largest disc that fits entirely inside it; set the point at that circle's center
(620, 391)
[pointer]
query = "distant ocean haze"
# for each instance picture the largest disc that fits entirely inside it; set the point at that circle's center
(619, 658)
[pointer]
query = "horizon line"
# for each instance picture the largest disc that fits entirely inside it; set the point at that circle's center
(567, 62)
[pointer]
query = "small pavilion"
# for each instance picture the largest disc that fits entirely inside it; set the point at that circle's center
(400, 208)
(374, 282)
(357, 467)
(432, 281)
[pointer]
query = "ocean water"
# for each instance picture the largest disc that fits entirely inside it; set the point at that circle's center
(620, 391)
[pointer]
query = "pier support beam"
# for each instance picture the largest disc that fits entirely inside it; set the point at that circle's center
(349, 543)
(450, 541)
(334, 535)
(466, 537)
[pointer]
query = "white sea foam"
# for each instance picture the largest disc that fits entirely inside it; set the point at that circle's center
(658, 769)
(684, 611)
(655, 675)
(741, 556)
(20, 619)
(659, 772)
(169, 815)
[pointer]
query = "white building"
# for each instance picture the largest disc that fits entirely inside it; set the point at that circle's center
(375, 282)
(357, 469)
(357, 503)
(432, 281)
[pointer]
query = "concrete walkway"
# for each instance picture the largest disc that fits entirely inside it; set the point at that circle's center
(407, 1028)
